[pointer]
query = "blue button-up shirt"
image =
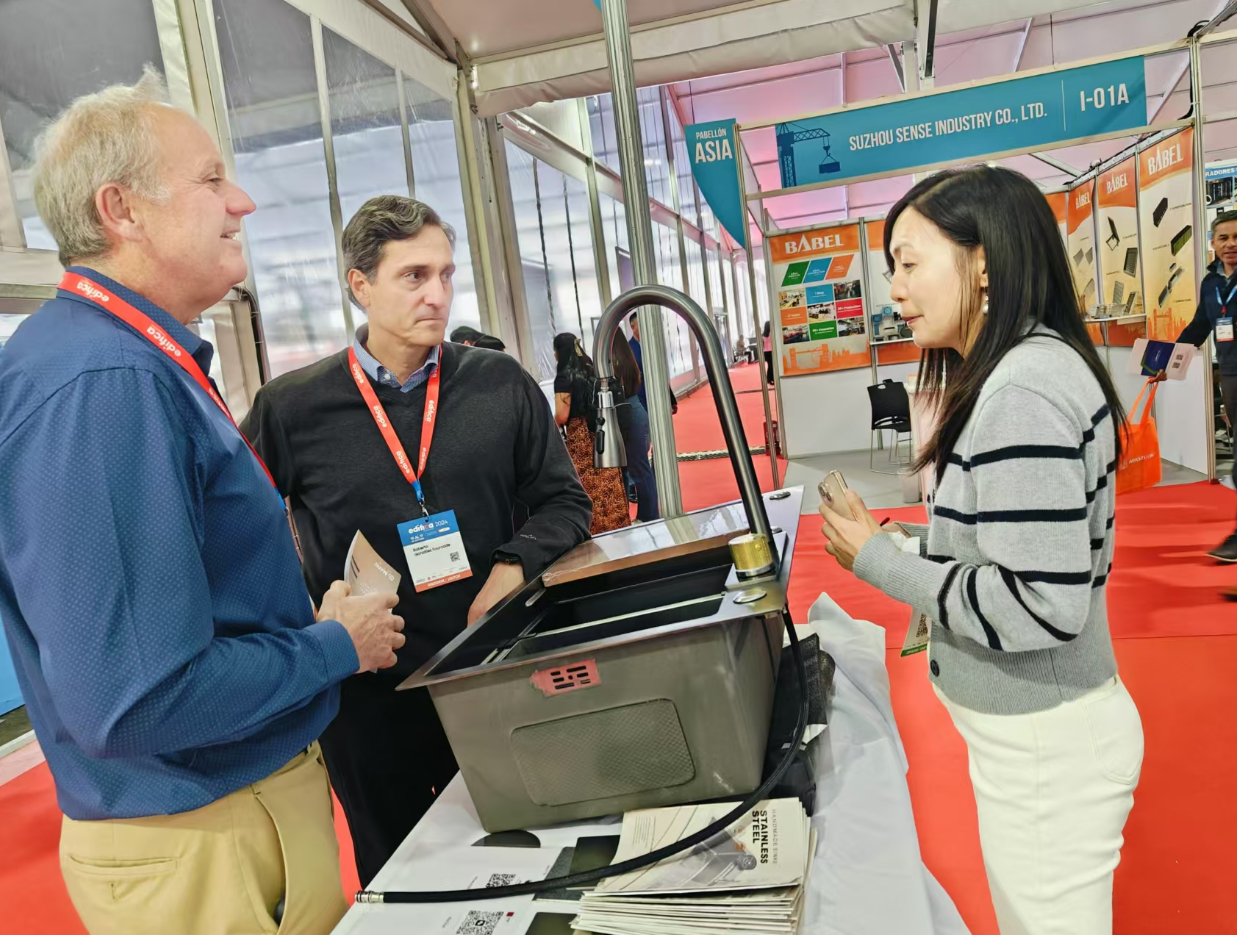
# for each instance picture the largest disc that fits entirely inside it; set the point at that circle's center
(380, 374)
(150, 591)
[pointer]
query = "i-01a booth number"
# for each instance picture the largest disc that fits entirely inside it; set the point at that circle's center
(820, 303)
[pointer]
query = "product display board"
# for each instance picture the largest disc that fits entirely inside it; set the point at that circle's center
(1116, 205)
(1080, 243)
(1166, 202)
(887, 323)
(818, 284)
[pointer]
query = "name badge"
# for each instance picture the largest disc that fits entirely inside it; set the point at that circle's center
(1224, 328)
(917, 634)
(434, 550)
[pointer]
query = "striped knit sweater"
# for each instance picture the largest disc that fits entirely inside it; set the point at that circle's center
(1020, 541)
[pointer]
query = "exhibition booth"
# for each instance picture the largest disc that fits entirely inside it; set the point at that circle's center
(1128, 226)
(658, 666)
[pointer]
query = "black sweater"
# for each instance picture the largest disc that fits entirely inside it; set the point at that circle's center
(494, 442)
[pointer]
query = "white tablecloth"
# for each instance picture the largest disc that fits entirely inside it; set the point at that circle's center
(867, 876)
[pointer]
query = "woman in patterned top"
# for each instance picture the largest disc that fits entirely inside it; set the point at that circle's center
(574, 386)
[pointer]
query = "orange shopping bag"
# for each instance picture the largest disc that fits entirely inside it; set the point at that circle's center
(1140, 454)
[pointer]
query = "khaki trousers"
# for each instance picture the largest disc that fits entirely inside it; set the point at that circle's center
(218, 870)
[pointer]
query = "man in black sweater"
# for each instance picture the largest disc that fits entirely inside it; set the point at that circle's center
(491, 440)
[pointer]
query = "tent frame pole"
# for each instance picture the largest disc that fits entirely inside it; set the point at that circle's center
(644, 267)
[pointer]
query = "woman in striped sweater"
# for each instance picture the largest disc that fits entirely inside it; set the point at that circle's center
(1012, 568)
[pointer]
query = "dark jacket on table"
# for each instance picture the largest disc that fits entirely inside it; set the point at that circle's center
(1214, 290)
(494, 442)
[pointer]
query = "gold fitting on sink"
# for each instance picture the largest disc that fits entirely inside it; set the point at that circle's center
(751, 555)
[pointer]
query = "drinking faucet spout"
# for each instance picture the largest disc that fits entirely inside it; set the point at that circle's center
(609, 451)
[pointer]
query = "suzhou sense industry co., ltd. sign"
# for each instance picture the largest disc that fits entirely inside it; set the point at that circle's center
(1006, 116)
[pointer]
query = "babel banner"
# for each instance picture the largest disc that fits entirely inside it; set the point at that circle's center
(1080, 243)
(713, 150)
(1166, 202)
(1116, 205)
(818, 278)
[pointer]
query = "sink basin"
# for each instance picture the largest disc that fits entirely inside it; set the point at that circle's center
(636, 672)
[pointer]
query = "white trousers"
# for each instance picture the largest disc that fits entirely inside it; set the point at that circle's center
(1053, 790)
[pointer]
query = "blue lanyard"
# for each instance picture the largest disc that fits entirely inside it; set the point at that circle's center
(1224, 302)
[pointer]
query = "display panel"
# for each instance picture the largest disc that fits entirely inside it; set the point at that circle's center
(821, 312)
(1166, 202)
(1116, 200)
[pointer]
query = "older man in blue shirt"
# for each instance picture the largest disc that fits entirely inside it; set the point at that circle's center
(175, 671)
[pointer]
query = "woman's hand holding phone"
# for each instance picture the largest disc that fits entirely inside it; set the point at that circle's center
(846, 536)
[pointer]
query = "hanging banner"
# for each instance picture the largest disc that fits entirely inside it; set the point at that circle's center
(716, 168)
(887, 323)
(1080, 243)
(1059, 203)
(1116, 202)
(1017, 115)
(817, 276)
(1166, 202)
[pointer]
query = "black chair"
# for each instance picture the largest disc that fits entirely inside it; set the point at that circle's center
(891, 409)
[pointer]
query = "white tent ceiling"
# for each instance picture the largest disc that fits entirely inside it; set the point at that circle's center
(761, 60)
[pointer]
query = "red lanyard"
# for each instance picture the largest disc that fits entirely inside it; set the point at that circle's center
(388, 433)
(143, 325)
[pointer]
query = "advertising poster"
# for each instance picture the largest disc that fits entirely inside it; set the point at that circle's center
(886, 315)
(1166, 202)
(1080, 243)
(818, 282)
(1116, 205)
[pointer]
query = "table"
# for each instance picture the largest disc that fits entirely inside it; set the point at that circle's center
(867, 878)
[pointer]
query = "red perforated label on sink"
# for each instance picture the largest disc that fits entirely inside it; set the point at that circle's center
(567, 678)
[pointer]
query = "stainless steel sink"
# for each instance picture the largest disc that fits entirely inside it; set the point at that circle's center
(639, 670)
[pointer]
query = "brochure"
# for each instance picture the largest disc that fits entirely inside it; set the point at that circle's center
(365, 571)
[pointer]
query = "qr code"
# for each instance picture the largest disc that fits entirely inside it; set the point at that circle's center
(479, 923)
(500, 879)
(455, 556)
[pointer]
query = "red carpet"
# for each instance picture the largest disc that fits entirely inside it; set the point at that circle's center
(1176, 644)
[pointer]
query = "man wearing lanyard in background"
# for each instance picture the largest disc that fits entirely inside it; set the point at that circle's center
(1216, 307)
(169, 656)
(412, 441)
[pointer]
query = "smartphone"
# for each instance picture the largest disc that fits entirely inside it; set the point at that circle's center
(833, 492)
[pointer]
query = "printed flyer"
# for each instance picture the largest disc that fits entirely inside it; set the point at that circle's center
(1116, 204)
(818, 280)
(1166, 202)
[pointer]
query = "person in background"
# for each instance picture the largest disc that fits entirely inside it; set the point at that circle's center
(394, 429)
(638, 353)
(174, 670)
(574, 407)
(1214, 315)
(768, 344)
(466, 335)
(1012, 569)
(634, 424)
(490, 343)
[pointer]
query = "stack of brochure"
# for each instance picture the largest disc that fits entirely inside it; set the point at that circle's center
(749, 880)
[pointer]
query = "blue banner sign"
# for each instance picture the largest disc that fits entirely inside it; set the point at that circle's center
(1220, 172)
(1019, 114)
(711, 147)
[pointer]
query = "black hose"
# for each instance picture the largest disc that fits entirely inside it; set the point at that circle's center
(589, 877)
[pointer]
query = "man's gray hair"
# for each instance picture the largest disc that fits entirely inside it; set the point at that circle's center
(1224, 217)
(380, 221)
(100, 139)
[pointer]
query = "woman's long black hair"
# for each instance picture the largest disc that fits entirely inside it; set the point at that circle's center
(570, 354)
(1029, 283)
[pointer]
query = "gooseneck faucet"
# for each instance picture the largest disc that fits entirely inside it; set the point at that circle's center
(609, 450)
